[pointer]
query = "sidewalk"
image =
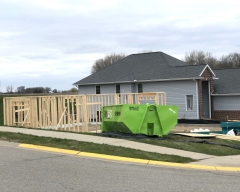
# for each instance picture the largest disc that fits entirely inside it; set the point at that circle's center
(202, 159)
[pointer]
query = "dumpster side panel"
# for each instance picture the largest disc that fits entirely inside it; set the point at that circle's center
(139, 119)
(115, 127)
(151, 124)
(110, 115)
(133, 116)
(168, 117)
(113, 119)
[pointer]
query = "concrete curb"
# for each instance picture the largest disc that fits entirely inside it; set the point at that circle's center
(130, 160)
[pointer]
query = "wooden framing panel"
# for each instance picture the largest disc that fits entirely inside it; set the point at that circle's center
(67, 112)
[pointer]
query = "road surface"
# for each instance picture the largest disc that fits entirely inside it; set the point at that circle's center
(29, 170)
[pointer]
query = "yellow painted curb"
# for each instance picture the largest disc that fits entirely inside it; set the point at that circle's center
(111, 157)
(192, 166)
(228, 168)
(132, 160)
(52, 149)
(189, 166)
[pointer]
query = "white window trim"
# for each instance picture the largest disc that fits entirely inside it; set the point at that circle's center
(197, 100)
(210, 104)
(187, 103)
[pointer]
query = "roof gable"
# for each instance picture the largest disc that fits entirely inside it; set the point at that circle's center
(206, 69)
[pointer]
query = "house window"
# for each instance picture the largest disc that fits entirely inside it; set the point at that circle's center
(117, 88)
(98, 89)
(140, 88)
(189, 104)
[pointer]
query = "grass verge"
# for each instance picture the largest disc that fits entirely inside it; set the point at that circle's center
(91, 147)
(195, 144)
(181, 142)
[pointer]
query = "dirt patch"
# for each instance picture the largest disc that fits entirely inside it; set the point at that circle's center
(189, 127)
(95, 127)
(177, 128)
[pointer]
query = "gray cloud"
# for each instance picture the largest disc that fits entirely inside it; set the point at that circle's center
(47, 43)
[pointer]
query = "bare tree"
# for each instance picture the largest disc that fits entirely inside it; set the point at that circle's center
(21, 89)
(200, 57)
(9, 89)
(47, 89)
(54, 91)
(74, 89)
(106, 61)
(34, 90)
(229, 61)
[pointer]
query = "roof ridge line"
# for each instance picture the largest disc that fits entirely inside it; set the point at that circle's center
(189, 65)
(146, 53)
(227, 68)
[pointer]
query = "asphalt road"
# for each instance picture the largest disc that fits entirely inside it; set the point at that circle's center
(29, 170)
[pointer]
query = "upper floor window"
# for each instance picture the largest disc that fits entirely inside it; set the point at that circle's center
(140, 88)
(98, 89)
(118, 89)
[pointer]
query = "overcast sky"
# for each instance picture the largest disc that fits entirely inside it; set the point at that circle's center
(55, 42)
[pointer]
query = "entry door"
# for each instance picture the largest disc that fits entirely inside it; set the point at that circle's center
(205, 99)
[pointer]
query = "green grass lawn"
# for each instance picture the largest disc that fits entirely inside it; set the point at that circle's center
(192, 144)
(91, 147)
(186, 143)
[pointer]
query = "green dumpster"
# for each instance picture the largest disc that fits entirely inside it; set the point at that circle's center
(139, 119)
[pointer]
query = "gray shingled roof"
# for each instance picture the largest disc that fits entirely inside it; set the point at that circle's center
(144, 66)
(228, 81)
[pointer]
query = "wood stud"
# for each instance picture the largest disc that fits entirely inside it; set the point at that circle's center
(67, 112)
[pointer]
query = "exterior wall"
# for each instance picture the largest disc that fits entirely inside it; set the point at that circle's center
(226, 103)
(104, 89)
(110, 88)
(207, 77)
(176, 92)
(125, 88)
(133, 88)
(87, 89)
(226, 108)
(226, 115)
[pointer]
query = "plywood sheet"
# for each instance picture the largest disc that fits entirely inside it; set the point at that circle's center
(229, 137)
(198, 135)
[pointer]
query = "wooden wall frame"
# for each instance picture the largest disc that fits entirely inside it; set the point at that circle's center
(67, 112)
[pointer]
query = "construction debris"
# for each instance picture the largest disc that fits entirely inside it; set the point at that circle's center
(200, 130)
(196, 135)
